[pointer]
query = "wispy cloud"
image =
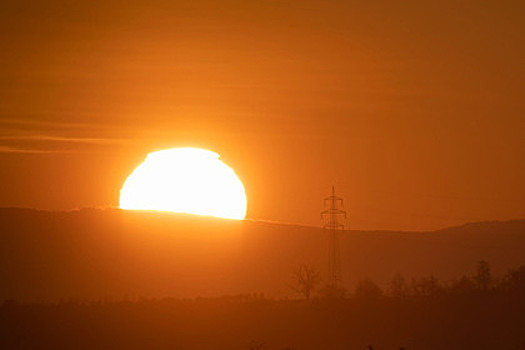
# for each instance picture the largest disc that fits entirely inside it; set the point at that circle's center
(87, 140)
(7, 149)
(51, 124)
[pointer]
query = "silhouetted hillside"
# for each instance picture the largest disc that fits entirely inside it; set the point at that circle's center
(97, 253)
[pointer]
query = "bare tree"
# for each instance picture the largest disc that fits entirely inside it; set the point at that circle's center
(463, 285)
(483, 277)
(515, 279)
(398, 287)
(426, 286)
(306, 279)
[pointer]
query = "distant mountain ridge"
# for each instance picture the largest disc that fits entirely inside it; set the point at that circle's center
(91, 253)
(493, 224)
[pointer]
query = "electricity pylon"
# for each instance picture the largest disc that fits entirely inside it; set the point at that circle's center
(333, 218)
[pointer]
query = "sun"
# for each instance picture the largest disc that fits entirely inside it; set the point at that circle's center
(185, 180)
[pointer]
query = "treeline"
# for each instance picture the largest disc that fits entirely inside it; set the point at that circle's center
(308, 284)
(481, 282)
(477, 311)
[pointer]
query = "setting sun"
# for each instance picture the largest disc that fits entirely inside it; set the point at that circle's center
(185, 180)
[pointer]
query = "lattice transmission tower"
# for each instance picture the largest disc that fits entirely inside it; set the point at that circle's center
(333, 217)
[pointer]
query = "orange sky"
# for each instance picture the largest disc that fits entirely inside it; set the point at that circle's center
(414, 111)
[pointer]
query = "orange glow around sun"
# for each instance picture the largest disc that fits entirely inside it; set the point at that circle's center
(185, 180)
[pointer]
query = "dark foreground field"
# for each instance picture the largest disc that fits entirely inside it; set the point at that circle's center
(475, 320)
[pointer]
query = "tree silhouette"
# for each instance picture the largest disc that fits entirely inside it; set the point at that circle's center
(515, 279)
(426, 286)
(483, 277)
(306, 279)
(463, 285)
(398, 287)
(367, 289)
(333, 291)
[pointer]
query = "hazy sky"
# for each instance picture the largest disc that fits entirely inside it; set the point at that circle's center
(413, 110)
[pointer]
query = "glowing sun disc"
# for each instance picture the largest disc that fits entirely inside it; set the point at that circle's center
(185, 180)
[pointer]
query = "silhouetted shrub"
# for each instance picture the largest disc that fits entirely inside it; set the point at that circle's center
(367, 289)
